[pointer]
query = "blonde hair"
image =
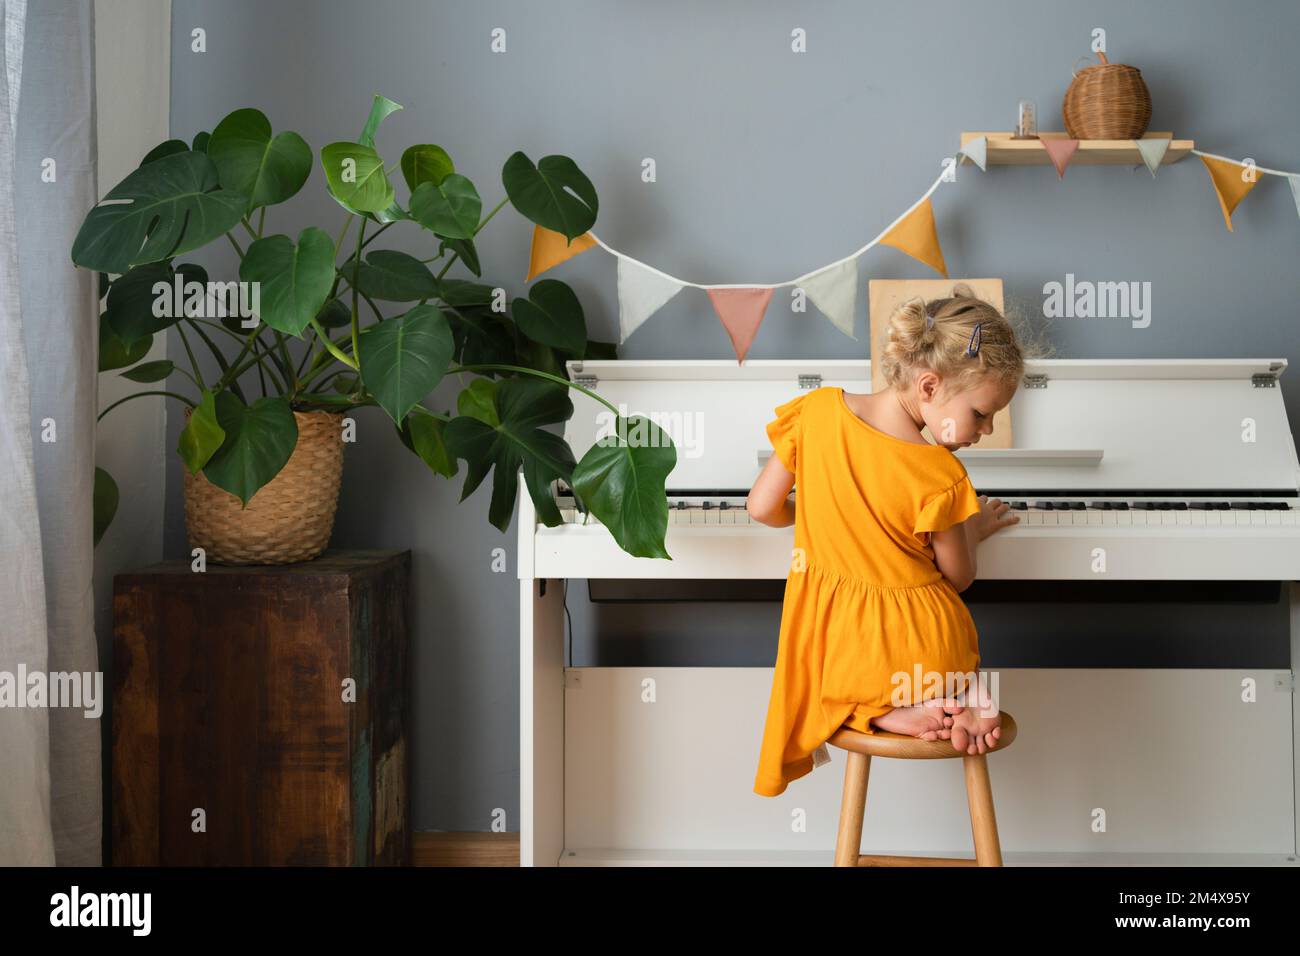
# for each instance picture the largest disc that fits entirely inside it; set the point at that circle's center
(942, 334)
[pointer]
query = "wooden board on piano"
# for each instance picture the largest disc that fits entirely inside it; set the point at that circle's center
(886, 295)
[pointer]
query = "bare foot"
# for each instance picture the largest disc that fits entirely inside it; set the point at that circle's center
(927, 721)
(975, 734)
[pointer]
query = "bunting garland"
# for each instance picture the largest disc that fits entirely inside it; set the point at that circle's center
(643, 290)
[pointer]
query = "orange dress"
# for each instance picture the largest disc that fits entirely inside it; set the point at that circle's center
(866, 610)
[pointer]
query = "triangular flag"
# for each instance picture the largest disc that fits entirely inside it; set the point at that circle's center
(978, 151)
(916, 235)
(741, 311)
(550, 248)
(1153, 151)
(641, 292)
(1061, 151)
(834, 290)
(1294, 180)
(1229, 185)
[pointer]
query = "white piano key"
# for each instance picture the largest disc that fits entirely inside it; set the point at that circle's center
(1273, 518)
(1095, 516)
(1183, 517)
(1033, 517)
(1257, 519)
(1198, 518)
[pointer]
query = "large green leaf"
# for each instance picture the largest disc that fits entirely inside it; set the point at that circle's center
(555, 193)
(395, 277)
(523, 406)
(150, 371)
(168, 148)
(426, 163)
(250, 161)
(294, 280)
(356, 178)
(621, 480)
(136, 311)
(553, 316)
(450, 208)
(404, 358)
(104, 502)
(114, 353)
(259, 440)
(421, 432)
(166, 207)
(202, 434)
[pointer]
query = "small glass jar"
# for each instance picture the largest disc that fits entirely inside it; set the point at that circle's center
(1027, 125)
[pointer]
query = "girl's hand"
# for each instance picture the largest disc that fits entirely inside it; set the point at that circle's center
(993, 517)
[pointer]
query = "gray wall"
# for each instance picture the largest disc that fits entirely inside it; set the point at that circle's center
(770, 164)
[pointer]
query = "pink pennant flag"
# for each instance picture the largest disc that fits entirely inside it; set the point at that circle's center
(1061, 151)
(741, 312)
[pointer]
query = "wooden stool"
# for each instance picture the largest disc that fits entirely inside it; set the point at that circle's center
(862, 747)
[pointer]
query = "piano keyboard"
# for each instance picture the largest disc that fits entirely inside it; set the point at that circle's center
(1128, 512)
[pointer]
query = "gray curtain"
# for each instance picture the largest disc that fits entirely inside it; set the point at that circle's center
(51, 789)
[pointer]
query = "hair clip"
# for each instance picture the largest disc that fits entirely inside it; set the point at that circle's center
(976, 338)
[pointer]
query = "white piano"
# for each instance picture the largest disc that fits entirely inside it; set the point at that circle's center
(1178, 472)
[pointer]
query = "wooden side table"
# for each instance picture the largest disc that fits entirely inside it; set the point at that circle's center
(259, 713)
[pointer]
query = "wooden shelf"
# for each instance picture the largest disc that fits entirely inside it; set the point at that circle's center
(1005, 151)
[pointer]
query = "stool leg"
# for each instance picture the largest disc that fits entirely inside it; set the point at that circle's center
(848, 842)
(983, 824)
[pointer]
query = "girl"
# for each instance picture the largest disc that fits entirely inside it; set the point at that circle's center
(886, 531)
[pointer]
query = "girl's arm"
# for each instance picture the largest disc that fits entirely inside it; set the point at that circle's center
(954, 548)
(769, 500)
(954, 554)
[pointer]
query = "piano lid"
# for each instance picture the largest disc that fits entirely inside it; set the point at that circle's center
(1088, 425)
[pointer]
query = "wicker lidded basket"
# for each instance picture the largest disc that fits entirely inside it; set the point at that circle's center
(290, 518)
(1107, 101)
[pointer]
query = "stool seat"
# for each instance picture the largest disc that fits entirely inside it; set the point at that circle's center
(979, 794)
(885, 744)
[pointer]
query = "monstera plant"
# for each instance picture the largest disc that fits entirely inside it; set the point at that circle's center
(336, 322)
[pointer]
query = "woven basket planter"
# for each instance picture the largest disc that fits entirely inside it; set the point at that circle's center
(289, 519)
(1107, 101)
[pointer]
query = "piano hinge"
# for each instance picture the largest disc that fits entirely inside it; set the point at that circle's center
(572, 679)
(1284, 680)
(810, 381)
(586, 381)
(1264, 380)
(1036, 380)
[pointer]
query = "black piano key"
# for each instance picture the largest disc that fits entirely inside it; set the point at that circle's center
(1104, 505)
(1180, 505)
(1122, 505)
(1078, 506)
(1043, 505)
(1165, 506)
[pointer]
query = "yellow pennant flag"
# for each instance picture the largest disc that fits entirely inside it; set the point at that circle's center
(550, 248)
(1230, 184)
(916, 235)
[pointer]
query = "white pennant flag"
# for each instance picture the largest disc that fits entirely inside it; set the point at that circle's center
(641, 293)
(1294, 180)
(834, 291)
(977, 150)
(1153, 151)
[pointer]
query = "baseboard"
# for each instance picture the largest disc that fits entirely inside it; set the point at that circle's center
(442, 848)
